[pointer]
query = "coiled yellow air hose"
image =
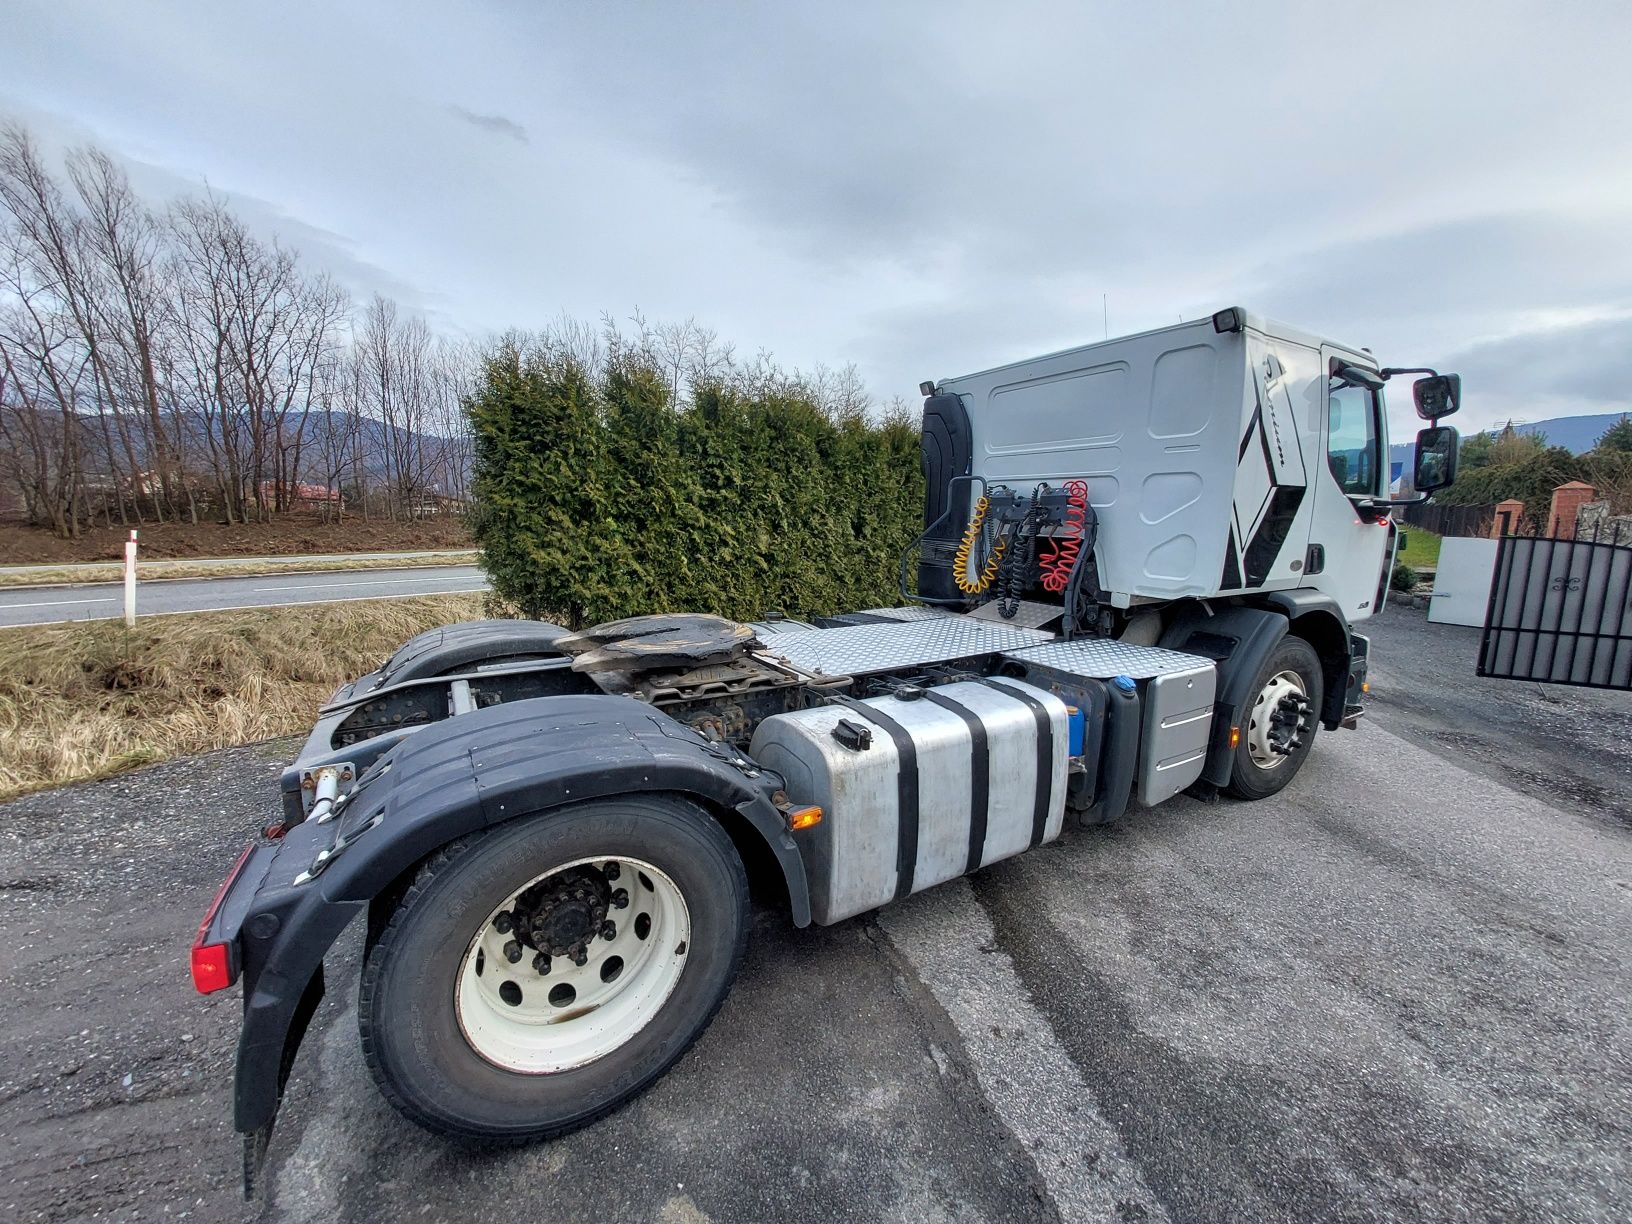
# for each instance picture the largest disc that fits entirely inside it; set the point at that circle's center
(960, 561)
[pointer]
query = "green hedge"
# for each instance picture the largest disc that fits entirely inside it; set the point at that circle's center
(1533, 480)
(598, 497)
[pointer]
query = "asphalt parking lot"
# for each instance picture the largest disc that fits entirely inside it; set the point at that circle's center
(1398, 991)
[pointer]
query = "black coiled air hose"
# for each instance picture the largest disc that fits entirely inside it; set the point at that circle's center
(1022, 557)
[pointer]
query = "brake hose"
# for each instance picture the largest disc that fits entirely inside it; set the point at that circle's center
(1018, 565)
(960, 560)
(1057, 566)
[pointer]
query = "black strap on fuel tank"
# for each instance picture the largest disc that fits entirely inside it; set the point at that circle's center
(1045, 755)
(906, 783)
(980, 774)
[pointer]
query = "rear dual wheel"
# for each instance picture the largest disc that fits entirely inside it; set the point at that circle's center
(539, 975)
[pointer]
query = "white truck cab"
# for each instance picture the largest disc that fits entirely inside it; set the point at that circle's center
(1223, 457)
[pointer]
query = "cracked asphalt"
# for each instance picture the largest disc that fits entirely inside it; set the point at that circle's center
(1398, 991)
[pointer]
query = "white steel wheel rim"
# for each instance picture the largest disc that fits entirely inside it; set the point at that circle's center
(1260, 745)
(622, 985)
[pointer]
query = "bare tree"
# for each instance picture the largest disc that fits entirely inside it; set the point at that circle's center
(124, 274)
(335, 455)
(386, 374)
(42, 372)
(454, 370)
(254, 330)
(54, 260)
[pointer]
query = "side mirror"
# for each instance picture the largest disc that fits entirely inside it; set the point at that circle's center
(1434, 466)
(1437, 396)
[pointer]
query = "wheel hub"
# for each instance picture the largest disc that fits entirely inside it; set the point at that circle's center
(572, 964)
(1285, 724)
(1280, 717)
(561, 914)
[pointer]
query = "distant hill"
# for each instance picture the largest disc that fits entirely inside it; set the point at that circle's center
(376, 438)
(1574, 433)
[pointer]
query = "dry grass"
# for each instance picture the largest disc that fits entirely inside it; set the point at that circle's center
(146, 571)
(86, 700)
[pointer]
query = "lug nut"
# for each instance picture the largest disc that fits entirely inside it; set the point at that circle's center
(612, 871)
(541, 963)
(512, 951)
(609, 930)
(620, 899)
(580, 957)
(503, 922)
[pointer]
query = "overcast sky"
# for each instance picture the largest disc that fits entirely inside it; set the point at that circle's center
(923, 189)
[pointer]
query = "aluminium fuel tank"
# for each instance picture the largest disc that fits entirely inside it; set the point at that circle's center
(920, 788)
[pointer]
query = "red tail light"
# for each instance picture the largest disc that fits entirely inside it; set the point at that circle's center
(213, 963)
(212, 967)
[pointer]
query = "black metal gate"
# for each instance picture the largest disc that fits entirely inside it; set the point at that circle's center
(1560, 611)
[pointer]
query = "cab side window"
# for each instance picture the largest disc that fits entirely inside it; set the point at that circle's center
(1351, 440)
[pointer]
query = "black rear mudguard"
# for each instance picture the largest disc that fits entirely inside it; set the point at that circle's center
(297, 894)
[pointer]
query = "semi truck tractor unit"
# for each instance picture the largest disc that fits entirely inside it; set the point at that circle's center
(1140, 571)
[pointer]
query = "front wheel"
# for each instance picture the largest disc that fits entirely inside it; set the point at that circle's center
(539, 975)
(1281, 723)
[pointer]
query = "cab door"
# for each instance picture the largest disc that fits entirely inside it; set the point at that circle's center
(1351, 537)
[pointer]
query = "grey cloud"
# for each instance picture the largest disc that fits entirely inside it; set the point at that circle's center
(924, 187)
(1432, 294)
(832, 132)
(1466, 267)
(323, 248)
(1051, 138)
(1589, 362)
(492, 123)
(946, 340)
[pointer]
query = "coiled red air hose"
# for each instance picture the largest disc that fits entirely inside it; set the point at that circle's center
(1058, 564)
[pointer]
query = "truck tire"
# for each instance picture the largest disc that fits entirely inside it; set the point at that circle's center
(536, 976)
(1280, 724)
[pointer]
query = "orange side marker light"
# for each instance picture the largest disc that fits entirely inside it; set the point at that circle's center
(805, 817)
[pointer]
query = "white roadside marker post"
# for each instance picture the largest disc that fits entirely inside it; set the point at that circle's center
(130, 582)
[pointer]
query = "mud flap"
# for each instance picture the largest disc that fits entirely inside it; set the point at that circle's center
(256, 1141)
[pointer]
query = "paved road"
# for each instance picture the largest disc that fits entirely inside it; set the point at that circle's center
(98, 601)
(230, 562)
(1571, 747)
(1396, 992)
